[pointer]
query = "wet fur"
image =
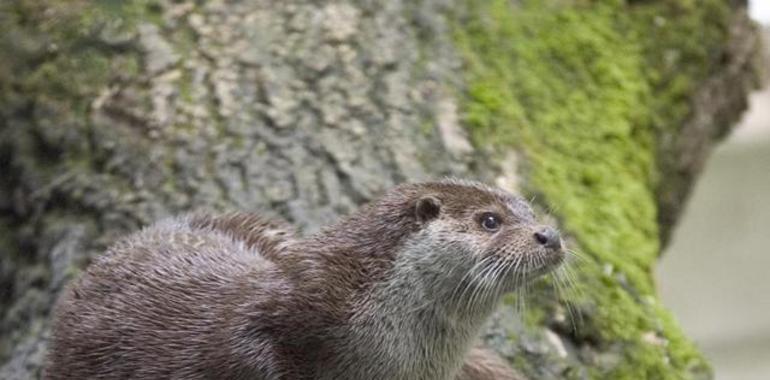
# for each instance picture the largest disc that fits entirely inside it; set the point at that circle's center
(383, 294)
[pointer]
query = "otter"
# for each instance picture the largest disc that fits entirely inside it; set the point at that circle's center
(398, 290)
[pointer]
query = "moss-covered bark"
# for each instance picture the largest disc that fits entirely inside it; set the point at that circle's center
(113, 114)
(589, 93)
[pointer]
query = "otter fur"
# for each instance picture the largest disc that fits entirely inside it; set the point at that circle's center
(397, 290)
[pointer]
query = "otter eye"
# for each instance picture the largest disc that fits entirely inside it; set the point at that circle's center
(490, 221)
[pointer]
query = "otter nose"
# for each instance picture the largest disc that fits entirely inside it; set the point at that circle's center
(548, 237)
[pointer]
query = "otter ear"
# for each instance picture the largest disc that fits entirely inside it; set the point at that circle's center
(427, 208)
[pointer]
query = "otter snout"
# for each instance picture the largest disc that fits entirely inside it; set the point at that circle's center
(548, 237)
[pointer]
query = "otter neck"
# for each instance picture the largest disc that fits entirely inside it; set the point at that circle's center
(422, 327)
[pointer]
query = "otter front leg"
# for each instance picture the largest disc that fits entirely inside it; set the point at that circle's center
(484, 364)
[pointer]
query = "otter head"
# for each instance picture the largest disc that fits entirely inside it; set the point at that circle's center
(477, 241)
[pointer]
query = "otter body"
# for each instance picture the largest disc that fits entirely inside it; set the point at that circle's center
(398, 290)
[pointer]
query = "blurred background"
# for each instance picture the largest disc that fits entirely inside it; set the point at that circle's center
(714, 275)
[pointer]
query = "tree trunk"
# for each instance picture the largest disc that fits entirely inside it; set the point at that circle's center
(116, 114)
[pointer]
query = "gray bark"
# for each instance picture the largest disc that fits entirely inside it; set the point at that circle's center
(298, 108)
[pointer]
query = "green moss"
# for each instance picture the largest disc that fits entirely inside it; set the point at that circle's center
(683, 41)
(584, 90)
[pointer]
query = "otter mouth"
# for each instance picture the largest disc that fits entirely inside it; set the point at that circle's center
(533, 265)
(544, 262)
(555, 257)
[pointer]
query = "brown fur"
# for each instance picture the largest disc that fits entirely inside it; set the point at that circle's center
(482, 364)
(240, 297)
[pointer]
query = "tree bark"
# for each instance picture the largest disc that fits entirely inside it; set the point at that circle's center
(116, 114)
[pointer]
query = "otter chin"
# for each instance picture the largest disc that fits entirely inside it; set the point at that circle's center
(397, 290)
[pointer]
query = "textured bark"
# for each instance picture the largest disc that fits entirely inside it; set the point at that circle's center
(716, 105)
(116, 115)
